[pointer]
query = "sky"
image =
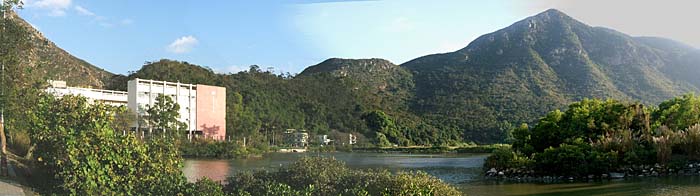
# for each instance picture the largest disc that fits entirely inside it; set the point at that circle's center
(290, 35)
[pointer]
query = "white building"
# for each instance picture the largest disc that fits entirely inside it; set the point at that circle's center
(324, 140)
(208, 120)
(143, 93)
(115, 98)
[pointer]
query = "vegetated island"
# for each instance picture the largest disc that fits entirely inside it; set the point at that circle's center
(596, 139)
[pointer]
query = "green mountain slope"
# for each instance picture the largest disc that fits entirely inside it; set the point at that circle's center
(380, 83)
(42, 59)
(542, 63)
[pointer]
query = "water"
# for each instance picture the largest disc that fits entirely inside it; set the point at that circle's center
(462, 170)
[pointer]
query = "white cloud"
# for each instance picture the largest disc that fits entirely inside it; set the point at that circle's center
(54, 7)
(106, 24)
(183, 44)
(126, 21)
(83, 11)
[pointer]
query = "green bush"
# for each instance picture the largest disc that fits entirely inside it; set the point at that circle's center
(327, 176)
(505, 158)
(79, 153)
(597, 137)
(566, 160)
(204, 187)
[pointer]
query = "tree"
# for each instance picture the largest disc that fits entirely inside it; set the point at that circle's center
(164, 114)
(5, 6)
(79, 153)
(380, 122)
(678, 113)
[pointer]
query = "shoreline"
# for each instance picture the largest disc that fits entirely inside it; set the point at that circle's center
(626, 172)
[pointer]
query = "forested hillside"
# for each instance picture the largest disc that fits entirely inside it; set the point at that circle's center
(261, 104)
(25, 49)
(477, 93)
(543, 63)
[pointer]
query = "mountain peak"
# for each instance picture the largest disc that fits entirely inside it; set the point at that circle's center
(338, 64)
(552, 11)
(550, 16)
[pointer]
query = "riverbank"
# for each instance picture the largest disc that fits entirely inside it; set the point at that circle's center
(233, 150)
(435, 149)
(627, 172)
(17, 182)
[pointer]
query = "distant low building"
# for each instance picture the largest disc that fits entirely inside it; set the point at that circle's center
(352, 139)
(296, 138)
(324, 140)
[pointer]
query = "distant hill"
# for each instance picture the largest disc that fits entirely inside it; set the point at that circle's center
(383, 84)
(542, 63)
(168, 70)
(44, 60)
(477, 93)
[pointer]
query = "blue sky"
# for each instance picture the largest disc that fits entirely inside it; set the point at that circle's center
(228, 36)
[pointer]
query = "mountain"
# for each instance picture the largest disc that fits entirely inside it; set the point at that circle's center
(42, 59)
(381, 83)
(477, 93)
(542, 63)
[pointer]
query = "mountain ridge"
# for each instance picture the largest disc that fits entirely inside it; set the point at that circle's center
(47, 60)
(481, 91)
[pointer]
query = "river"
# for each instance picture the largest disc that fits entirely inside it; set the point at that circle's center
(462, 170)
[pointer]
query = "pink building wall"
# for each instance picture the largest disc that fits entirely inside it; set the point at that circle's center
(211, 111)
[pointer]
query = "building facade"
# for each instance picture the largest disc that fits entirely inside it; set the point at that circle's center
(143, 93)
(211, 111)
(115, 98)
(202, 107)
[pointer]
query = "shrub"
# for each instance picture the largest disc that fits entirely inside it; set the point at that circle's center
(505, 158)
(327, 176)
(79, 153)
(690, 140)
(204, 187)
(567, 160)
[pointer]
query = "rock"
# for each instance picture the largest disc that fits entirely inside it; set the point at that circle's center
(492, 171)
(500, 173)
(616, 175)
(654, 173)
(604, 175)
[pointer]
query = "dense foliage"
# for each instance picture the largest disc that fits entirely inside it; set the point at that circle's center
(78, 152)
(327, 176)
(207, 148)
(261, 105)
(597, 137)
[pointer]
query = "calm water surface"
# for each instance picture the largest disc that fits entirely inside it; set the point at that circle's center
(462, 170)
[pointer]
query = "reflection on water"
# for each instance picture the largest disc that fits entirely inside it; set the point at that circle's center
(462, 170)
(682, 185)
(453, 168)
(214, 169)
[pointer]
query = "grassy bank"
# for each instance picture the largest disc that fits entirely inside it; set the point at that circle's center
(220, 149)
(432, 149)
